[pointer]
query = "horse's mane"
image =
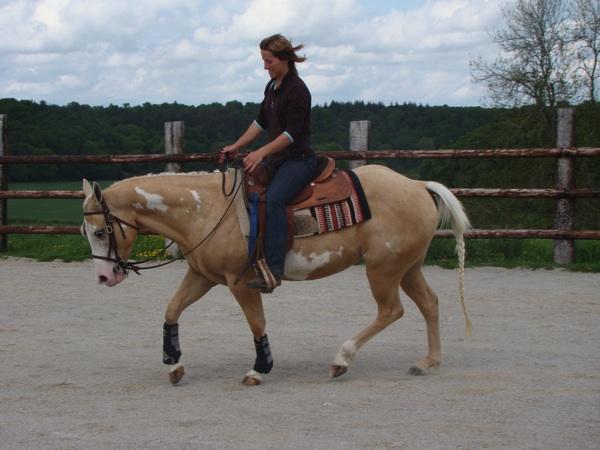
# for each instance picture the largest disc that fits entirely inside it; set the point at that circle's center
(162, 174)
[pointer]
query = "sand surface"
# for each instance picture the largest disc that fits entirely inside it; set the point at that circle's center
(81, 365)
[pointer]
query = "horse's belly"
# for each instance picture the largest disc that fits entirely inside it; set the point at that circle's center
(313, 258)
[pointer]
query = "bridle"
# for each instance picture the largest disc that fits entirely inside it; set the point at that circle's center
(113, 247)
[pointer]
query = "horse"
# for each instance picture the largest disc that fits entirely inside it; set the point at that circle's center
(194, 211)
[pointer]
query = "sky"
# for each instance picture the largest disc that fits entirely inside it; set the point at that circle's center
(101, 52)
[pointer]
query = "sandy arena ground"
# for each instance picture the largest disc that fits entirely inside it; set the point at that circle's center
(81, 365)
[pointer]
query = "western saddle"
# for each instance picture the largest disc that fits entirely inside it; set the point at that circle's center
(328, 185)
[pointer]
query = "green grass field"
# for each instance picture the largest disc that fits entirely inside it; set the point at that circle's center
(46, 211)
(531, 253)
(58, 212)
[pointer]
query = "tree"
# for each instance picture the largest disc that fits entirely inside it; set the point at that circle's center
(586, 38)
(534, 65)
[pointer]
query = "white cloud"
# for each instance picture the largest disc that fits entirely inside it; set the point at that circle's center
(185, 49)
(190, 51)
(128, 60)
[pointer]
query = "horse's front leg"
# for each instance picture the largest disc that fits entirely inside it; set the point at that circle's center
(191, 289)
(251, 303)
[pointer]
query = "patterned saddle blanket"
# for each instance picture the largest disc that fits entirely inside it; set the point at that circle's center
(308, 219)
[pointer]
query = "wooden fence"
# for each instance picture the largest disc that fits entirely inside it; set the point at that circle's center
(565, 192)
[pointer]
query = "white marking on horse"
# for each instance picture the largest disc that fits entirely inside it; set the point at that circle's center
(104, 269)
(138, 205)
(174, 367)
(346, 354)
(98, 247)
(299, 267)
(197, 199)
(153, 201)
(254, 375)
(391, 246)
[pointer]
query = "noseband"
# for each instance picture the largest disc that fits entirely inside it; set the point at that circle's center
(113, 247)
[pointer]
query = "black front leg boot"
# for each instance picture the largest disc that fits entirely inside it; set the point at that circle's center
(264, 360)
(171, 350)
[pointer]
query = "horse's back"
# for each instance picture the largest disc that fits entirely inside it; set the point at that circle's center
(403, 221)
(393, 195)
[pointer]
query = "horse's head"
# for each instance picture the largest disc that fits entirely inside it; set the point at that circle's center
(110, 235)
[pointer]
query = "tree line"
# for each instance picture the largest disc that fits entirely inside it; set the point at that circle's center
(38, 128)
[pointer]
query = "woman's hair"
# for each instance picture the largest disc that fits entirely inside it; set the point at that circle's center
(282, 48)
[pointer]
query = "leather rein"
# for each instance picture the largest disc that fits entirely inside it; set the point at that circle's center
(124, 265)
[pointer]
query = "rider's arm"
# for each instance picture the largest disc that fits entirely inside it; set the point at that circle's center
(253, 159)
(253, 132)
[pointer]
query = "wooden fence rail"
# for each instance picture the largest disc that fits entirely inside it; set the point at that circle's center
(369, 155)
(565, 192)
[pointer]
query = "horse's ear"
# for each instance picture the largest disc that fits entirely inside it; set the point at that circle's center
(98, 192)
(87, 188)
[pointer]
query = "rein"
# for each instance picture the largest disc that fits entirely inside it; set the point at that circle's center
(126, 266)
(237, 163)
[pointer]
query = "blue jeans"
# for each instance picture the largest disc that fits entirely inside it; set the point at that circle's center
(289, 180)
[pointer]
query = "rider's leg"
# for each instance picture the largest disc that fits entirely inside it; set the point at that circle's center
(289, 180)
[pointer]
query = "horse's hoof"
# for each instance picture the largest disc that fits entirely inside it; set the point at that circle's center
(416, 371)
(176, 374)
(252, 378)
(337, 371)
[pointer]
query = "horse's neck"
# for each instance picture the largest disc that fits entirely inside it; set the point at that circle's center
(175, 206)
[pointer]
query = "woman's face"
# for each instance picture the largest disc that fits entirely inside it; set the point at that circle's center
(276, 67)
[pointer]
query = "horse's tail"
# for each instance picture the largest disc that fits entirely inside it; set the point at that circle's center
(451, 211)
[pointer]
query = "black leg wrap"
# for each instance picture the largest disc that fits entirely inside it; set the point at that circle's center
(171, 350)
(264, 360)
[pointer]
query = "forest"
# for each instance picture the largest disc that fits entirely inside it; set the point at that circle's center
(76, 129)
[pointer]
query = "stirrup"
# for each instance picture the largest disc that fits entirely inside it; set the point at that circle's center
(259, 283)
(265, 280)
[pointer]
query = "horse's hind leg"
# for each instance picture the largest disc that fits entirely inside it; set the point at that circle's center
(191, 289)
(416, 287)
(384, 286)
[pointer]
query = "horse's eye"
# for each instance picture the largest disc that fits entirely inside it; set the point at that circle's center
(99, 234)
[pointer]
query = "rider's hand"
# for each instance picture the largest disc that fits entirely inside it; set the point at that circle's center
(227, 152)
(253, 160)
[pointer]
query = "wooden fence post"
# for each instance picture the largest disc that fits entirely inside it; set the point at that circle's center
(174, 143)
(564, 250)
(174, 132)
(359, 140)
(3, 181)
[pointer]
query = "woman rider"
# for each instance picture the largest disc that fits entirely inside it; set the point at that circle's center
(285, 115)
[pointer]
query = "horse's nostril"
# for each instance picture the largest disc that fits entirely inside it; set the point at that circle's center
(102, 279)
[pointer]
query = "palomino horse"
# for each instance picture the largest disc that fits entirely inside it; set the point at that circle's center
(193, 211)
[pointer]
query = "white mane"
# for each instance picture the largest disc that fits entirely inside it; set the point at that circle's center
(163, 174)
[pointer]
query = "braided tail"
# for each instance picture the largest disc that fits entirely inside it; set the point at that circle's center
(451, 211)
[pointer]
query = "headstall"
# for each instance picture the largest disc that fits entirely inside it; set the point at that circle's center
(113, 247)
